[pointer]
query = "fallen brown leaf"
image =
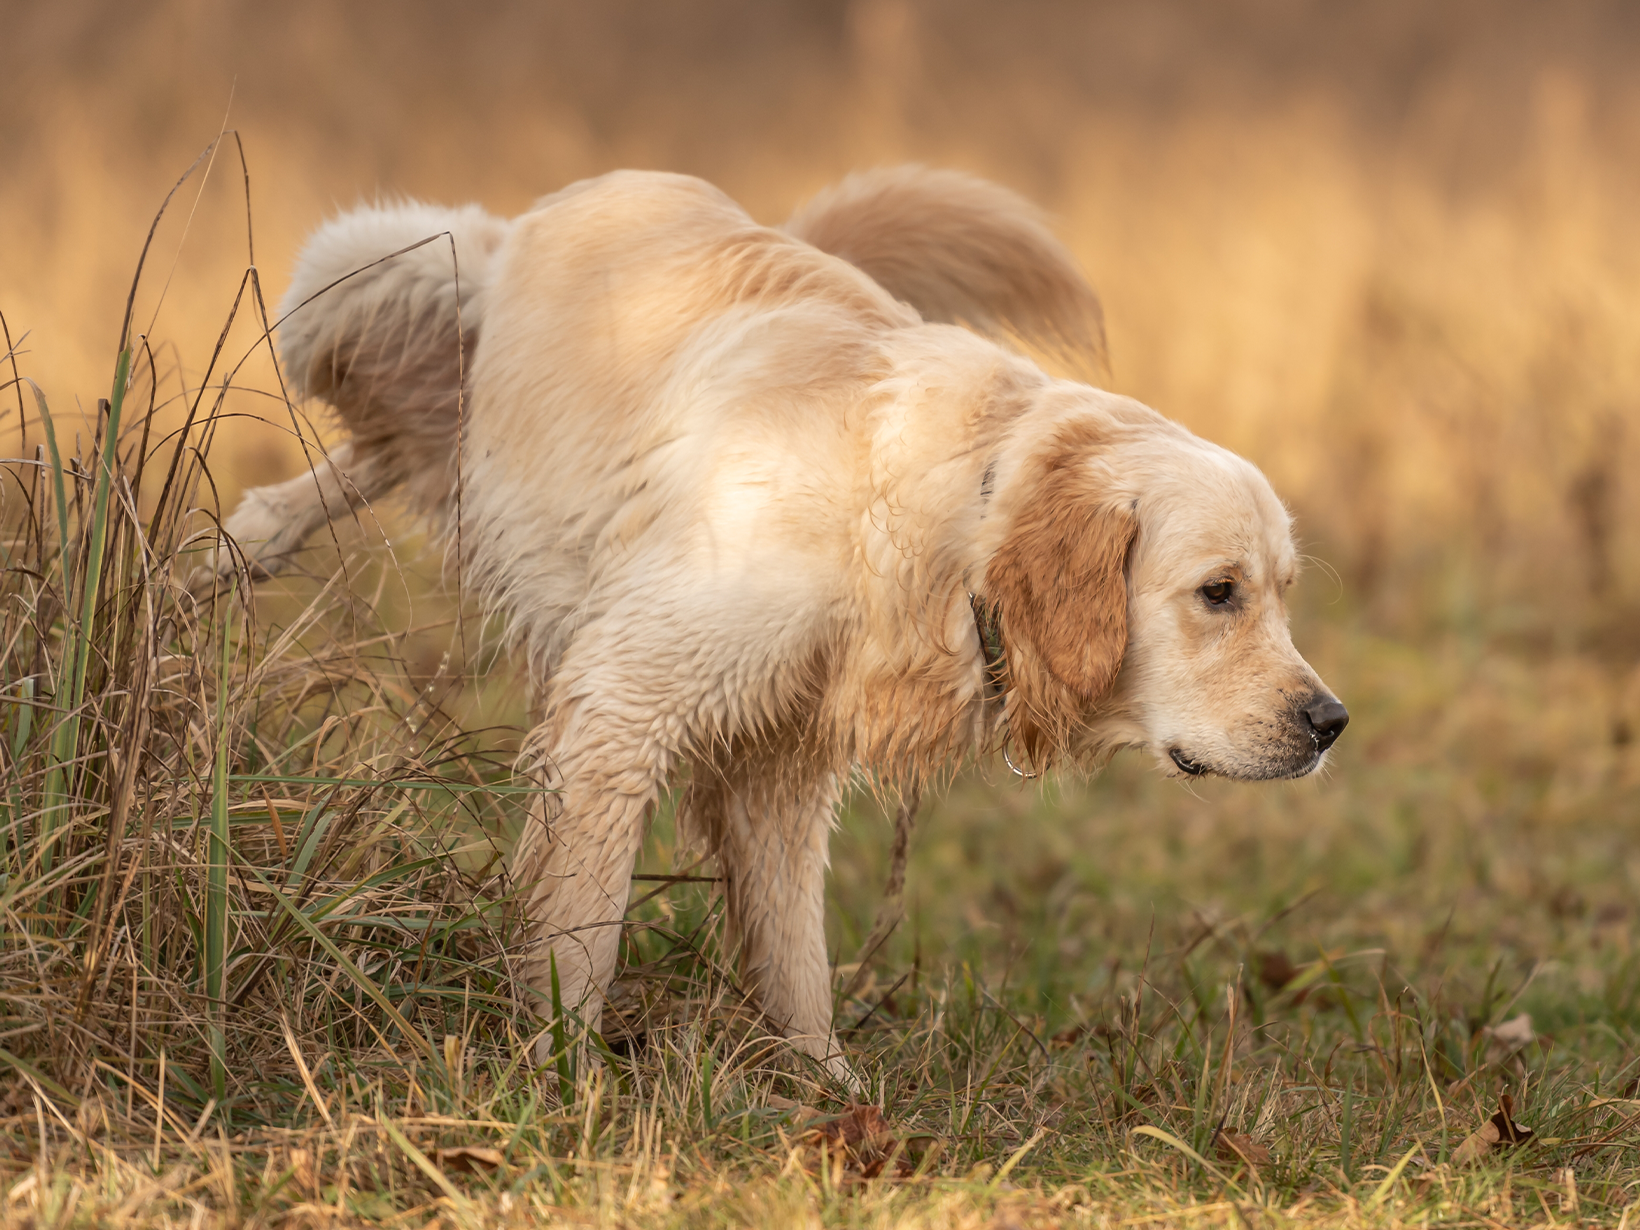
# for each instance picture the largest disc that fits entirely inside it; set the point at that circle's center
(1498, 1132)
(1275, 969)
(1476, 1145)
(860, 1124)
(467, 1159)
(1069, 1036)
(1233, 1146)
(863, 1138)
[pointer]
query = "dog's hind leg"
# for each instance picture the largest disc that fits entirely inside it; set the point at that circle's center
(271, 523)
(768, 822)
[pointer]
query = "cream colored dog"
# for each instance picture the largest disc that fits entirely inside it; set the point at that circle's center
(757, 513)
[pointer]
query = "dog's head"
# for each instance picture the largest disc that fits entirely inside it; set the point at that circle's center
(1140, 593)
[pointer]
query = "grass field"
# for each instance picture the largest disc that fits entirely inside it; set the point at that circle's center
(254, 940)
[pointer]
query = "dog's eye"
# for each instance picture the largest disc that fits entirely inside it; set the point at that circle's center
(1218, 593)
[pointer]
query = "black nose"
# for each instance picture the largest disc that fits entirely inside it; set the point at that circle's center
(1327, 719)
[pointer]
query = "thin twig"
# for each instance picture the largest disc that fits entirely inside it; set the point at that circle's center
(892, 910)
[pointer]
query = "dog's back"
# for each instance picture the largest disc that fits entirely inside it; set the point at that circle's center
(388, 304)
(641, 332)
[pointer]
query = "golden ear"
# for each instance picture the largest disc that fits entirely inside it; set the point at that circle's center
(1059, 587)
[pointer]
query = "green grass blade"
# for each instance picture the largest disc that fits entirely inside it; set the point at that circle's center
(97, 544)
(58, 490)
(560, 1036)
(21, 731)
(60, 754)
(1394, 1174)
(29, 1072)
(78, 636)
(216, 890)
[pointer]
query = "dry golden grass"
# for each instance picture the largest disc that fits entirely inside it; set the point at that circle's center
(253, 950)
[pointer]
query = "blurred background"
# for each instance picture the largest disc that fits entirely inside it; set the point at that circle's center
(1387, 249)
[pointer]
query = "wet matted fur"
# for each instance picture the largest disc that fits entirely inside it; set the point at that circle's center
(750, 498)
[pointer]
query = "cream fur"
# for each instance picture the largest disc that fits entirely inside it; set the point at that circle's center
(733, 498)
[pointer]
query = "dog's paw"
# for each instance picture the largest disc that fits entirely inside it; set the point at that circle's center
(253, 543)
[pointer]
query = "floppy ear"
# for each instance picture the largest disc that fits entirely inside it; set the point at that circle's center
(1059, 588)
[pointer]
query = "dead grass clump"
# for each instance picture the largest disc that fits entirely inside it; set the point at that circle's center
(224, 842)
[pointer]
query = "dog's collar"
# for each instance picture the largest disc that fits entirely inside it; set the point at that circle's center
(988, 623)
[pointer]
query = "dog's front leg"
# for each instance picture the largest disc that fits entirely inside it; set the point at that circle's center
(574, 863)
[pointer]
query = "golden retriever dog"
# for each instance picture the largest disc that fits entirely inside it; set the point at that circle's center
(763, 507)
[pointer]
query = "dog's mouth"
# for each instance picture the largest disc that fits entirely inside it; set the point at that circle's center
(1271, 766)
(1310, 765)
(1186, 765)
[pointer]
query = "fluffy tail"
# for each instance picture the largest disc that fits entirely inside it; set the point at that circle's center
(959, 250)
(386, 341)
(385, 335)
